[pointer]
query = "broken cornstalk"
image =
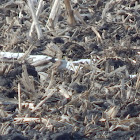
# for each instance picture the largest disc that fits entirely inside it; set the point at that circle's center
(53, 17)
(70, 13)
(35, 19)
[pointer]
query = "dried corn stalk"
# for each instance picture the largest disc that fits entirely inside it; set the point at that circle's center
(55, 11)
(35, 19)
(70, 13)
(138, 82)
(39, 9)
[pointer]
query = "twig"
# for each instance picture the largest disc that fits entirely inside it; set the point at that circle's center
(19, 98)
(26, 54)
(118, 70)
(48, 94)
(79, 17)
(99, 39)
(43, 101)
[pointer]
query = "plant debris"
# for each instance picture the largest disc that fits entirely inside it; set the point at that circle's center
(88, 87)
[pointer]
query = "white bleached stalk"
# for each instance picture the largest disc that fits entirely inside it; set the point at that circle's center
(35, 19)
(38, 58)
(71, 65)
(39, 9)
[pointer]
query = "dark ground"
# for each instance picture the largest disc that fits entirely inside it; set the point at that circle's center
(100, 101)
